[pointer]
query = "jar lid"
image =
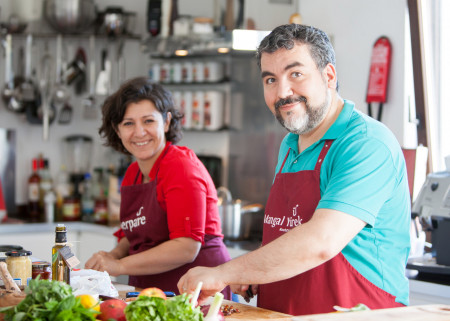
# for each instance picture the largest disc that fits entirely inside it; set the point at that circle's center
(6, 248)
(18, 253)
(41, 264)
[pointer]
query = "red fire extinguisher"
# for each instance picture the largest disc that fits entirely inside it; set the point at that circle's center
(380, 64)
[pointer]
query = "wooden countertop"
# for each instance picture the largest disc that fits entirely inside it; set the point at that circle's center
(247, 312)
(432, 312)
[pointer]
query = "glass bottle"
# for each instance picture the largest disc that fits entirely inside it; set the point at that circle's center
(34, 180)
(46, 183)
(87, 199)
(60, 269)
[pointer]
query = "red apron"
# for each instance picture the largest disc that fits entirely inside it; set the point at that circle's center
(144, 223)
(292, 201)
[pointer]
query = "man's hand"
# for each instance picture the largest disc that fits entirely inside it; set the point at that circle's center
(246, 291)
(211, 278)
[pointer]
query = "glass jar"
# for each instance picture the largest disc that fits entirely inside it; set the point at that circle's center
(43, 269)
(19, 266)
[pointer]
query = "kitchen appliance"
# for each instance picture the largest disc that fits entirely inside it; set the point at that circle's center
(433, 206)
(236, 215)
(213, 165)
(78, 152)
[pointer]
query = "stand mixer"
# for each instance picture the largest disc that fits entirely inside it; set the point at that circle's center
(78, 153)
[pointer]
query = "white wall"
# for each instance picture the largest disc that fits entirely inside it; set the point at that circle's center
(354, 26)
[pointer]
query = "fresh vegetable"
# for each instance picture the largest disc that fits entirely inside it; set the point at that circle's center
(214, 310)
(88, 301)
(48, 300)
(153, 292)
(112, 309)
(154, 308)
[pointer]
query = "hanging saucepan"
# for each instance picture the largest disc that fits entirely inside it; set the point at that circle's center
(235, 215)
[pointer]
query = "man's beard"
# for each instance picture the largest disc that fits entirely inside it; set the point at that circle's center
(302, 125)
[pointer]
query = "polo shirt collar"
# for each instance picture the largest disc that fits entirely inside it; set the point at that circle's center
(333, 132)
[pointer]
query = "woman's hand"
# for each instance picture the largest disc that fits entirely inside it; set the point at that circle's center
(104, 261)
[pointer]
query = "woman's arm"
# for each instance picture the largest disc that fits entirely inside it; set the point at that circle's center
(162, 258)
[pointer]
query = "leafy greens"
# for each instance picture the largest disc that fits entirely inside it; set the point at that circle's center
(48, 300)
(157, 309)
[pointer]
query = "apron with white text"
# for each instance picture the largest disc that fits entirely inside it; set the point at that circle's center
(144, 223)
(292, 201)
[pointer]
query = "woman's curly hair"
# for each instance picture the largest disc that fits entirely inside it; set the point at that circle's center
(134, 91)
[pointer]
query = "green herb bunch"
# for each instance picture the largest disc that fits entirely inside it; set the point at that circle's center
(48, 300)
(157, 309)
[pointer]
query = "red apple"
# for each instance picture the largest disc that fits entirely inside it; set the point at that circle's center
(153, 292)
(112, 309)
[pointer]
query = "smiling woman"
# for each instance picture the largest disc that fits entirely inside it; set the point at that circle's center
(168, 211)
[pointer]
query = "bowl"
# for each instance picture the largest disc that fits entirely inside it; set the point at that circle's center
(70, 16)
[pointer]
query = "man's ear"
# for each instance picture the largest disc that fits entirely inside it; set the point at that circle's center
(331, 76)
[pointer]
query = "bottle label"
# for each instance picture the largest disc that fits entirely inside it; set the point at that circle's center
(71, 210)
(33, 192)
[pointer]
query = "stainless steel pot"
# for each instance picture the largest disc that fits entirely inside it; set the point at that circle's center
(116, 22)
(70, 16)
(235, 215)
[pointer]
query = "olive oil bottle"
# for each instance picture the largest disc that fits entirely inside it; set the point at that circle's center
(60, 269)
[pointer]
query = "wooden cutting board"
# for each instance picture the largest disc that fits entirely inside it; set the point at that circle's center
(434, 312)
(248, 312)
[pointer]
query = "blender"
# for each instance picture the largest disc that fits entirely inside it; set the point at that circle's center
(78, 152)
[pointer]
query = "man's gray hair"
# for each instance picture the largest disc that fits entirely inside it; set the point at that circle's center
(286, 36)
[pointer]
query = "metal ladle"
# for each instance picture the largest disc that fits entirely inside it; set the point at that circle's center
(8, 93)
(90, 111)
(60, 94)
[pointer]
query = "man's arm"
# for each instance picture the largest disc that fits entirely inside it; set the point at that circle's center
(295, 252)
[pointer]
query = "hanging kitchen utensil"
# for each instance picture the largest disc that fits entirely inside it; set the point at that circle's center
(379, 73)
(75, 73)
(90, 110)
(44, 84)
(65, 113)
(60, 94)
(101, 87)
(8, 90)
(31, 96)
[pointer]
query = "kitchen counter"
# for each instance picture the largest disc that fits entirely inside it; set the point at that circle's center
(435, 312)
(50, 227)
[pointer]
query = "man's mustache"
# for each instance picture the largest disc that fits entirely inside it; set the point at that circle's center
(289, 100)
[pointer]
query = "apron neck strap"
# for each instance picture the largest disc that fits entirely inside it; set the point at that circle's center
(323, 153)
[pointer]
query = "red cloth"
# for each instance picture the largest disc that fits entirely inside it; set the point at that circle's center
(183, 185)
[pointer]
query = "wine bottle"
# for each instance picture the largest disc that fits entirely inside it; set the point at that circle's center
(34, 210)
(60, 269)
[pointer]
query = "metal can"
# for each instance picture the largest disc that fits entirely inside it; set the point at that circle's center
(19, 266)
(42, 268)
